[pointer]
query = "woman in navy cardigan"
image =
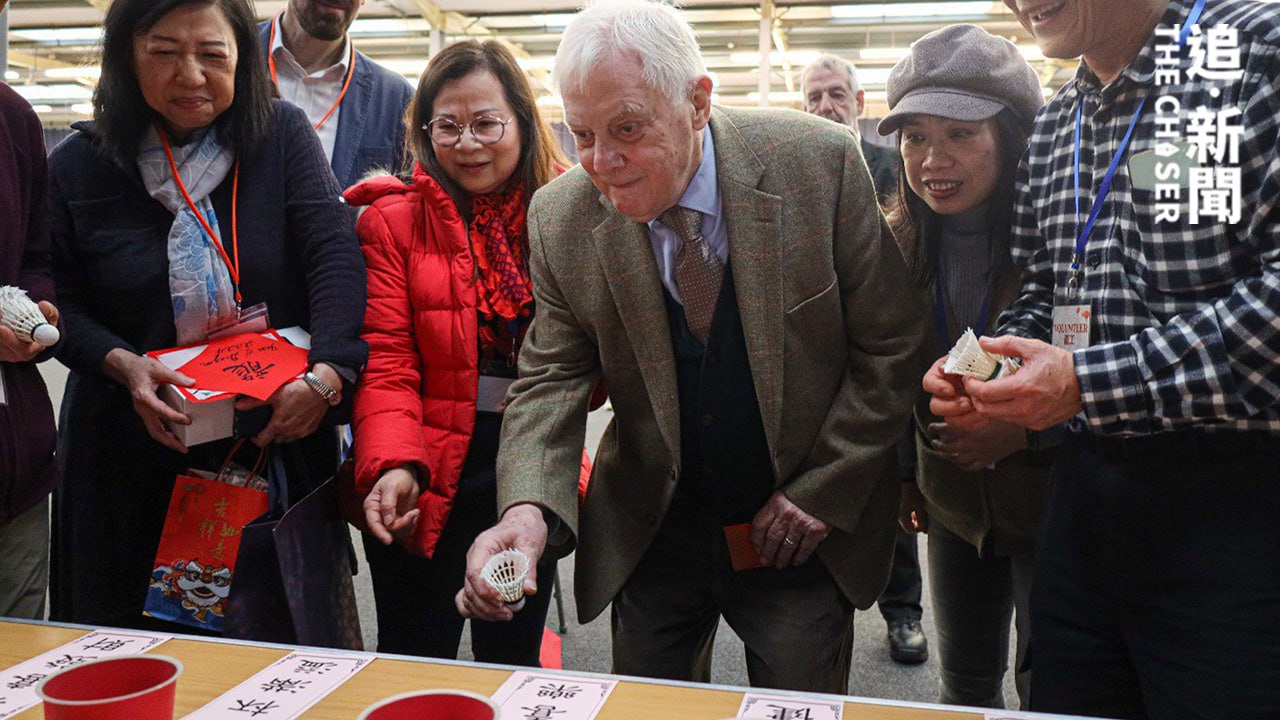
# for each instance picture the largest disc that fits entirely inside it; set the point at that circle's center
(183, 87)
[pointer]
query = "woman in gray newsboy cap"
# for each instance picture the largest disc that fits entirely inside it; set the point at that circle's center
(963, 102)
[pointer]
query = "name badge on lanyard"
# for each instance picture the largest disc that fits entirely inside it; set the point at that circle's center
(1072, 314)
(1071, 325)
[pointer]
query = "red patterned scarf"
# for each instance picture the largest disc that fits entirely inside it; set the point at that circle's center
(499, 236)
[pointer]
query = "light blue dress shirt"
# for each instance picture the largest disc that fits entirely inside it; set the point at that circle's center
(703, 195)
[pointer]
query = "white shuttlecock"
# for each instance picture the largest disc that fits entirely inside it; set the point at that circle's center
(24, 318)
(969, 359)
(505, 572)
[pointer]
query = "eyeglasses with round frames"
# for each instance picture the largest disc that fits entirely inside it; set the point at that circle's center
(486, 129)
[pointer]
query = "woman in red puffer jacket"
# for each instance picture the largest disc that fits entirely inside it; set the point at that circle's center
(449, 302)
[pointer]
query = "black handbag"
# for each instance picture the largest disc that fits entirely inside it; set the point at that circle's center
(293, 574)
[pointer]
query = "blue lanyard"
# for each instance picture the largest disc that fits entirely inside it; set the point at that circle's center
(940, 314)
(1105, 188)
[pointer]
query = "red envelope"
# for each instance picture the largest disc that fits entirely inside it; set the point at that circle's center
(246, 364)
(742, 554)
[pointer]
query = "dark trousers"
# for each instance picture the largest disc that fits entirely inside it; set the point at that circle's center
(795, 624)
(901, 597)
(1157, 590)
(974, 598)
(414, 596)
(24, 572)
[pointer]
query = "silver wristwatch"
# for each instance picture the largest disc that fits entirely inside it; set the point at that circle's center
(330, 395)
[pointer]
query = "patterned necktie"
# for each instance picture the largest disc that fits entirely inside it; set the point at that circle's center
(698, 270)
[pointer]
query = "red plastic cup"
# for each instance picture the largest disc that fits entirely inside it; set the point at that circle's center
(432, 705)
(126, 687)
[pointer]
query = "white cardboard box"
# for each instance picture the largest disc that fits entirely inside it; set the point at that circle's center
(210, 420)
(212, 414)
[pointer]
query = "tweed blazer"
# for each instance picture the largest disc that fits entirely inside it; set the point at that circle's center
(832, 325)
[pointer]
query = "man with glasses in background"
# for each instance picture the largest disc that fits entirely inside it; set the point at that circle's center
(831, 90)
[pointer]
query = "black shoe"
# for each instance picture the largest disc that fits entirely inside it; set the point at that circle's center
(907, 643)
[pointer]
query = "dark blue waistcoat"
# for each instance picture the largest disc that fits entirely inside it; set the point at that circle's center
(724, 455)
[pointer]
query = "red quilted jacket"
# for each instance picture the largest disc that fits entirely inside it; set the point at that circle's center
(416, 402)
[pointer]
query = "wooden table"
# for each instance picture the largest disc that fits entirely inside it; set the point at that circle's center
(215, 666)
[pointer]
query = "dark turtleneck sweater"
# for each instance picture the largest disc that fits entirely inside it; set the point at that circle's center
(964, 267)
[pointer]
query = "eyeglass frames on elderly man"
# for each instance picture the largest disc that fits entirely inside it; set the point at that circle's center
(486, 129)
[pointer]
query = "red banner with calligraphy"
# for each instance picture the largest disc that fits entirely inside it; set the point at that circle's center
(247, 364)
(192, 575)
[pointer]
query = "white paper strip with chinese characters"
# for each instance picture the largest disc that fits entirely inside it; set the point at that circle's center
(783, 707)
(533, 696)
(18, 683)
(284, 689)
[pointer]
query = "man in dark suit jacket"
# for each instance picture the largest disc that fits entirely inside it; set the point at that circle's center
(830, 88)
(356, 105)
(731, 277)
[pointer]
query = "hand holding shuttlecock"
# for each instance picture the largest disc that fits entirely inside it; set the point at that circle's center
(26, 319)
(506, 572)
(969, 359)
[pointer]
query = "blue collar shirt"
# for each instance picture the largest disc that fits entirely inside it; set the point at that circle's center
(703, 195)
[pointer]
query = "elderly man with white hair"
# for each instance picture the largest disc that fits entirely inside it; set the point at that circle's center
(729, 275)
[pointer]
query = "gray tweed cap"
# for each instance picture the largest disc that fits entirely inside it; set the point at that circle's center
(961, 72)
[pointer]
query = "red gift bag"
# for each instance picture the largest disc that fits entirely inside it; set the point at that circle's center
(195, 562)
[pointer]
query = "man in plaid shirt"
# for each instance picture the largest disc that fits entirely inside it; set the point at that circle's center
(1158, 578)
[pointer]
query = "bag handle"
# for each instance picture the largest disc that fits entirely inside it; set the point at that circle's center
(257, 466)
(289, 478)
(287, 475)
(277, 480)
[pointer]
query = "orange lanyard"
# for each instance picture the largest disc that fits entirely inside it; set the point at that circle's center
(271, 64)
(232, 266)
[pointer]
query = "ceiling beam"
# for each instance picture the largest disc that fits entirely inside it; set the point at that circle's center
(765, 45)
(780, 42)
(451, 22)
(454, 23)
(22, 58)
(1051, 67)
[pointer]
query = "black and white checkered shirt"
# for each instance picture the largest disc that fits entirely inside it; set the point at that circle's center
(1185, 326)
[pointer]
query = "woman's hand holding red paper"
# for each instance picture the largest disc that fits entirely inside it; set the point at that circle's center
(142, 375)
(296, 409)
